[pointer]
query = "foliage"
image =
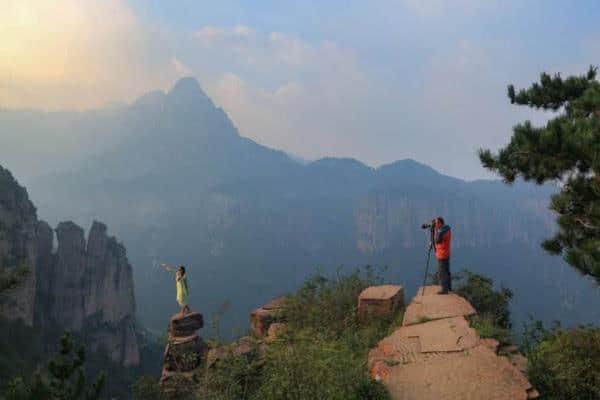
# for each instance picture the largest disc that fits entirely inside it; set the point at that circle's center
(146, 388)
(479, 291)
(493, 314)
(64, 380)
(486, 327)
(565, 150)
(232, 378)
(309, 366)
(11, 277)
(564, 363)
(322, 354)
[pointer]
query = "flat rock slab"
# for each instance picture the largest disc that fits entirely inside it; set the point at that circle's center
(186, 325)
(431, 306)
(437, 355)
(381, 292)
(471, 375)
(422, 341)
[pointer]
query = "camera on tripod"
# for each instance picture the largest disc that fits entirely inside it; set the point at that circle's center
(430, 225)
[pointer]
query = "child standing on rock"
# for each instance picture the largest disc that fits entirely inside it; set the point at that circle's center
(181, 286)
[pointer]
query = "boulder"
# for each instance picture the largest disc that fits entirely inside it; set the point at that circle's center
(261, 318)
(184, 351)
(383, 300)
(187, 325)
(184, 354)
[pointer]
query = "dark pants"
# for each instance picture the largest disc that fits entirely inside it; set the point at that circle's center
(444, 274)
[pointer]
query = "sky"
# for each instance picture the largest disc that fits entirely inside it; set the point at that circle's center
(377, 80)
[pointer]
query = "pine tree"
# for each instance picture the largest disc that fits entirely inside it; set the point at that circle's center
(65, 379)
(567, 151)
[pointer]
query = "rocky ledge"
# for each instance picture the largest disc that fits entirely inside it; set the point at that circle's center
(437, 355)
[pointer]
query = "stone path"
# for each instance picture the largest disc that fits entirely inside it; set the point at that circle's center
(437, 355)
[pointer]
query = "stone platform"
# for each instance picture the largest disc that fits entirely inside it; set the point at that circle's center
(432, 306)
(437, 355)
(184, 354)
(380, 300)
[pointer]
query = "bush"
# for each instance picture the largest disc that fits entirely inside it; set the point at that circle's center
(565, 363)
(309, 366)
(493, 315)
(479, 291)
(321, 355)
(64, 379)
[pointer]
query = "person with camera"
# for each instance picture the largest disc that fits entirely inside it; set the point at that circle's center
(442, 236)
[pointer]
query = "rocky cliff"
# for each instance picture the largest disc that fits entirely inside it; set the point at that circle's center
(83, 286)
(88, 287)
(18, 250)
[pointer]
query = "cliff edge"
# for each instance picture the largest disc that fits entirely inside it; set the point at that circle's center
(85, 286)
(435, 354)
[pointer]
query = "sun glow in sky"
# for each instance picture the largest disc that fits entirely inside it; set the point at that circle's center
(377, 81)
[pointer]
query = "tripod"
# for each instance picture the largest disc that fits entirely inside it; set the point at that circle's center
(431, 241)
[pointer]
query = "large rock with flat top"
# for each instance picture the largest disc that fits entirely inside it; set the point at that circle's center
(436, 354)
(261, 318)
(427, 305)
(382, 300)
(184, 354)
(185, 325)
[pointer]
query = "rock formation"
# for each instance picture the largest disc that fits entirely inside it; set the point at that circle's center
(437, 355)
(84, 286)
(18, 250)
(184, 353)
(262, 317)
(382, 300)
(89, 287)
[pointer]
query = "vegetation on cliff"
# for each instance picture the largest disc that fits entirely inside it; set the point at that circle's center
(324, 351)
(564, 363)
(24, 349)
(493, 314)
(64, 378)
(321, 354)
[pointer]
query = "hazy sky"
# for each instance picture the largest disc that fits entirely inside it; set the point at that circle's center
(375, 80)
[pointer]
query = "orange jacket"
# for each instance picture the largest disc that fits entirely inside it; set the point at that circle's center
(442, 243)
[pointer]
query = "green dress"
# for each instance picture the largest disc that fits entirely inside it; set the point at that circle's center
(182, 291)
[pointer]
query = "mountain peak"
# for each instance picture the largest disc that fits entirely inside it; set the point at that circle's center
(187, 94)
(187, 86)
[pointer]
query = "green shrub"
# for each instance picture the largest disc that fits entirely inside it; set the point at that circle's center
(493, 304)
(486, 327)
(565, 363)
(309, 366)
(324, 351)
(64, 379)
(321, 355)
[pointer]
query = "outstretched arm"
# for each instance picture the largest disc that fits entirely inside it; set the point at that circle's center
(167, 267)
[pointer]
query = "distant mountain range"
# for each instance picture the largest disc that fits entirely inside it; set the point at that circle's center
(172, 176)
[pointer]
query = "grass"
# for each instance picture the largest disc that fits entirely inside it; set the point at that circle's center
(321, 355)
(486, 327)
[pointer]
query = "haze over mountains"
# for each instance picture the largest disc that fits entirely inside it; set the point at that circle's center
(174, 179)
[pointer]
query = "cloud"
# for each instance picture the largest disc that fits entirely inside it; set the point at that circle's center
(442, 8)
(78, 54)
(307, 98)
